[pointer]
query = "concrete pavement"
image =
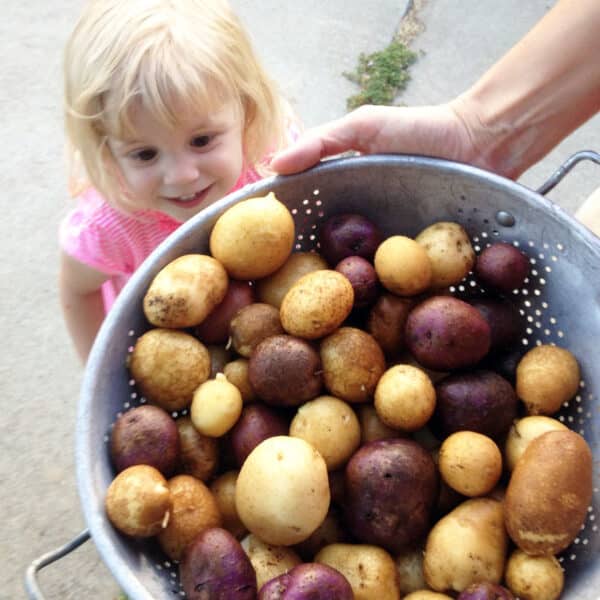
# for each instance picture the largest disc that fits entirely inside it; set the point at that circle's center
(306, 45)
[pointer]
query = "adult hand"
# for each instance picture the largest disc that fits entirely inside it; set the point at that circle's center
(427, 130)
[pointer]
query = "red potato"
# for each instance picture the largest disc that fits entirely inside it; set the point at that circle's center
(215, 328)
(444, 333)
(348, 235)
(215, 566)
(480, 401)
(256, 423)
(376, 477)
(145, 435)
(361, 274)
(308, 581)
(502, 267)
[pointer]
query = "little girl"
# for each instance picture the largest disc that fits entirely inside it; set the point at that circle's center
(167, 110)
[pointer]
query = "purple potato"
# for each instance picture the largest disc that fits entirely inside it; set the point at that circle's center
(485, 591)
(307, 581)
(214, 565)
(444, 333)
(504, 363)
(145, 435)
(256, 423)
(361, 274)
(501, 267)
(215, 327)
(391, 491)
(506, 325)
(480, 401)
(348, 235)
(285, 370)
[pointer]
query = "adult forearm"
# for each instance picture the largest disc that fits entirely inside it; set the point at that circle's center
(540, 91)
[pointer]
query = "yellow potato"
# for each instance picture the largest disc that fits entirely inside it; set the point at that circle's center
(402, 266)
(317, 304)
(167, 367)
(522, 432)
(352, 364)
(267, 560)
(216, 406)
(282, 492)
(547, 376)
(184, 292)
(331, 426)
(534, 577)
(273, 288)
(450, 252)
(470, 463)
(253, 238)
(370, 570)
(426, 595)
(549, 492)
(405, 398)
(466, 546)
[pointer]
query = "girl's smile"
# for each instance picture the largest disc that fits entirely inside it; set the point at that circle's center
(183, 168)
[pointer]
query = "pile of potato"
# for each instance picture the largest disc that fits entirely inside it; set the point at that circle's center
(337, 424)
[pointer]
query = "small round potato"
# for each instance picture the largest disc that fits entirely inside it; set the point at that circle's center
(370, 570)
(331, 426)
(547, 376)
(352, 363)
(371, 426)
(522, 432)
(194, 509)
(426, 595)
(386, 322)
(236, 372)
(223, 490)
(450, 252)
(282, 492)
(138, 501)
(253, 238)
(403, 266)
(405, 398)
(183, 293)
(273, 288)
(317, 304)
(199, 453)
(168, 366)
(534, 577)
(216, 406)
(251, 325)
(470, 463)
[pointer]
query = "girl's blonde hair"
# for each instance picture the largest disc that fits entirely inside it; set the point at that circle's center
(161, 52)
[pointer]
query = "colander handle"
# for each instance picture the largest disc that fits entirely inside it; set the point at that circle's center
(31, 584)
(558, 175)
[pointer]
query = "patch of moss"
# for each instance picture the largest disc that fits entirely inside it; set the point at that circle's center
(381, 75)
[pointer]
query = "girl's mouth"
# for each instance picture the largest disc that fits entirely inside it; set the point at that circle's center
(191, 201)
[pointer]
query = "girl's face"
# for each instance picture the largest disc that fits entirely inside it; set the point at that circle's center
(182, 169)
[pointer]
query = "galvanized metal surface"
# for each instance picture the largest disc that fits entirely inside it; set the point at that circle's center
(403, 194)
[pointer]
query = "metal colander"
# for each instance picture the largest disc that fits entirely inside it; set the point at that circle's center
(402, 194)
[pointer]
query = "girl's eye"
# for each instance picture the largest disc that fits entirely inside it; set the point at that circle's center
(144, 155)
(201, 141)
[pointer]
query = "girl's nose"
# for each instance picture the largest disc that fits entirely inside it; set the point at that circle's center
(181, 170)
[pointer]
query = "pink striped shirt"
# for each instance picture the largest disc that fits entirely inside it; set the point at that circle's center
(114, 242)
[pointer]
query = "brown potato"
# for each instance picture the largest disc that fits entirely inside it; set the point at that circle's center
(194, 509)
(409, 565)
(549, 492)
(138, 501)
(285, 371)
(402, 266)
(253, 238)
(329, 425)
(352, 363)
(185, 291)
(450, 252)
(223, 490)
(273, 288)
(168, 366)
(547, 376)
(330, 531)
(219, 357)
(317, 304)
(386, 322)
(371, 426)
(236, 372)
(199, 453)
(251, 325)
